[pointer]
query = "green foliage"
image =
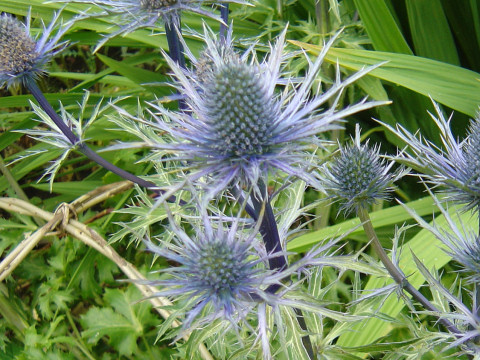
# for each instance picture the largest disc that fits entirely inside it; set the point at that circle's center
(119, 320)
(64, 300)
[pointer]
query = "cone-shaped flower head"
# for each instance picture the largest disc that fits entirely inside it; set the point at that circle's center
(238, 129)
(214, 268)
(468, 254)
(455, 168)
(240, 112)
(21, 56)
(358, 176)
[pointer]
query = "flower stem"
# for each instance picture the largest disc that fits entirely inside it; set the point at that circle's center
(476, 303)
(175, 49)
(224, 24)
(268, 228)
(82, 147)
(396, 274)
(273, 245)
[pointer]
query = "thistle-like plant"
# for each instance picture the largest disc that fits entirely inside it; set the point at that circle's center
(454, 168)
(22, 60)
(23, 57)
(221, 273)
(238, 129)
(358, 177)
(463, 243)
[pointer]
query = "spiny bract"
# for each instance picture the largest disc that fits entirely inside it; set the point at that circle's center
(455, 168)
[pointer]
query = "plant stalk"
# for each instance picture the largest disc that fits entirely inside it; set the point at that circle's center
(224, 23)
(82, 147)
(273, 245)
(476, 302)
(396, 274)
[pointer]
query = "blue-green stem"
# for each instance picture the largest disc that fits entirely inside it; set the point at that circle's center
(175, 50)
(268, 229)
(271, 238)
(223, 24)
(32, 86)
(396, 274)
(175, 47)
(476, 302)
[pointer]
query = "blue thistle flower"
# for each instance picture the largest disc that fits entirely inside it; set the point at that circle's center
(239, 129)
(217, 267)
(358, 176)
(23, 57)
(222, 273)
(455, 168)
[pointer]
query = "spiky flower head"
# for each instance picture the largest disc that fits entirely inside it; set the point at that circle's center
(131, 15)
(217, 267)
(238, 129)
(23, 57)
(455, 167)
(358, 177)
(222, 274)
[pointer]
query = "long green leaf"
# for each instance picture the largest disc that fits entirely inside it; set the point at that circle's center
(139, 76)
(451, 85)
(381, 27)
(431, 34)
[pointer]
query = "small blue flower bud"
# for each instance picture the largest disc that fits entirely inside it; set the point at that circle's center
(358, 177)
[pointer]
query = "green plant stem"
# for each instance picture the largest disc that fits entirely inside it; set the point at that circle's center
(80, 343)
(396, 274)
(321, 13)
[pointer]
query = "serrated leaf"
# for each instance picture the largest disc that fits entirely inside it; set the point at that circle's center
(100, 322)
(123, 323)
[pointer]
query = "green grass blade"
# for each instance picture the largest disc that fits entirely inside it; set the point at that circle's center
(381, 27)
(430, 31)
(451, 85)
